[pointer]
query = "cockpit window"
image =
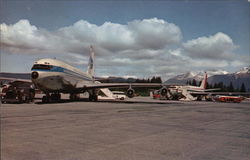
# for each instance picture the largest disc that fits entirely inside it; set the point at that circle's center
(42, 66)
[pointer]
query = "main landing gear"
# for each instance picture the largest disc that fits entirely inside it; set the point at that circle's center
(74, 97)
(93, 95)
(54, 97)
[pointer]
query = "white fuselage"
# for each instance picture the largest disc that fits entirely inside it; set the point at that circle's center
(51, 75)
(179, 89)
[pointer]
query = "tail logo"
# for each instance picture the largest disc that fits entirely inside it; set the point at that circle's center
(91, 62)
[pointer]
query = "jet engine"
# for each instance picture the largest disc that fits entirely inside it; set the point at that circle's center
(163, 91)
(130, 93)
(34, 75)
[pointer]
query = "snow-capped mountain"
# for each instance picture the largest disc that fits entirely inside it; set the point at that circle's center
(185, 76)
(216, 76)
(244, 70)
(198, 76)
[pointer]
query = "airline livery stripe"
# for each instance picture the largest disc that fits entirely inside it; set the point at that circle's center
(66, 71)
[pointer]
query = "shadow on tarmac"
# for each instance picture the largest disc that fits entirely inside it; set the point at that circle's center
(110, 101)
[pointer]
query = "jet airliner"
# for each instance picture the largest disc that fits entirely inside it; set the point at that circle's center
(54, 77)
(192, 92)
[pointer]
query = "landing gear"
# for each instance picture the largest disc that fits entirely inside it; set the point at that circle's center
(74, 97)
(93, 97)
(46, 99)
(54, 97)
(199, 98)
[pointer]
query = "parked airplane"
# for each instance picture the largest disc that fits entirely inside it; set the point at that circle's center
(189, 92)
(54, 77)
(201, 88)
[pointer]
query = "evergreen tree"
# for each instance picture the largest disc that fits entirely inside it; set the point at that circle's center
(221, 86)
(194, 83)
(190, 82)
(153, 80)
(208, 86)
(215, 85)
(158, 80)
(242, 88)
(230, 87)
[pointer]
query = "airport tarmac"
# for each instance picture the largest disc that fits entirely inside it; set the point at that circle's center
(126, 131)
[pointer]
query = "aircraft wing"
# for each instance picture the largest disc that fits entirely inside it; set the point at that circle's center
(119, 85)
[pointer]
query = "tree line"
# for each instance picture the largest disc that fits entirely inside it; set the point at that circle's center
(221, 85)
(152, 80)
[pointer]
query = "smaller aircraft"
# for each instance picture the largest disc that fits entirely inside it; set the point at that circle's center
(187, 92)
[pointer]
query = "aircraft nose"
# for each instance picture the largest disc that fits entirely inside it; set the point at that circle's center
(34, 75)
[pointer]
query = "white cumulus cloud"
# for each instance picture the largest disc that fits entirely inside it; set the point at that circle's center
(109, 37)
(218, 46)
(155, 33)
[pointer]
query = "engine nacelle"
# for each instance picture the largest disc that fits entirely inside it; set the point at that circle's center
(130, 93)
(163, 91)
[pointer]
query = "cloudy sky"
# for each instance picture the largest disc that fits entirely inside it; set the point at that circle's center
(138, 38)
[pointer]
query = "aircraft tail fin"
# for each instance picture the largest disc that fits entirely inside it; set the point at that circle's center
(90, 70)
(204, 82)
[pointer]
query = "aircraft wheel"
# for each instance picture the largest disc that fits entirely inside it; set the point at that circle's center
(55, 97)
(90, 97)
(95, 97)
(58, 96)
(46, 99)
(74, 97)
(27, 100)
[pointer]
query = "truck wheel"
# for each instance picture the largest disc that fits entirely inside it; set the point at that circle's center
(20, 100)
(45, 99)
(27, 100)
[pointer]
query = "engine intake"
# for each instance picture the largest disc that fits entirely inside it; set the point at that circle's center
(34, 75)
(130, 93)
(163, 91)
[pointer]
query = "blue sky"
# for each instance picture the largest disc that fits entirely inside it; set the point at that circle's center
(199, 22)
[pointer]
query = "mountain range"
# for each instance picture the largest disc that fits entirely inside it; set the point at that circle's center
(216, 76)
